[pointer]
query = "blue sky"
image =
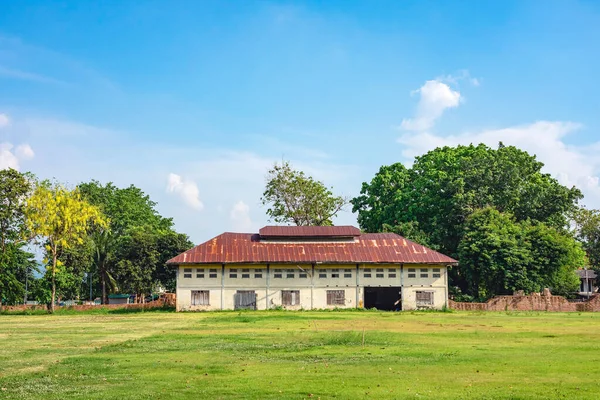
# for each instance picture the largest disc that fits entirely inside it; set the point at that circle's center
(193, 101)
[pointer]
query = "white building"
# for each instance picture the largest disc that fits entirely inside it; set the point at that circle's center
(311, 268)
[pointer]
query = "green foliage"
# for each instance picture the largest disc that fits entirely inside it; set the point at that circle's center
(500, 255)
(435, 203)
(130, 255)
(587, 230)
(60, 219)
(446, 185)
(294, 198)
(14, 261)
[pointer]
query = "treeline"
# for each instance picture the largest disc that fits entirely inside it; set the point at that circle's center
(511, 226)
(95, 236)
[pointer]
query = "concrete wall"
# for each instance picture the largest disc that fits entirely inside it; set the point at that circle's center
(312, 282)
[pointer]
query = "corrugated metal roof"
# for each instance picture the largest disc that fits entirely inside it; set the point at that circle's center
(366, 248)
(309, 231)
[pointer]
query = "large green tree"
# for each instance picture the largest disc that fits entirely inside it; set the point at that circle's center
(499, 255)
(434, 201)
(135, 229)
(295, 198)
(445, 186)
(15, 262)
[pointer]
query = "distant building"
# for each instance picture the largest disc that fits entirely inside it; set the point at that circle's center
(311, 267)
(587, 282)
(118, 299)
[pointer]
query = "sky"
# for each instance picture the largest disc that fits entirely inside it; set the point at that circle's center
(193, 101)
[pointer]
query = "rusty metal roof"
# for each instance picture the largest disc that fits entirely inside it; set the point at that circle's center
(366, 248)
(309, 231)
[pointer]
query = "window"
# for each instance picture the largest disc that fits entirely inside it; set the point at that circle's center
(392, 275)
(348, 275)
(212, 271)
(257, 276)
(303, 275)
(378, 275)
(187, 275)
(424, 273)
(234, 276)
(336, 297)
(424, 298)
(200, 275)
(322, 274)
(412, 273)
(277, 273)
(212, 275)
(245, 270)
(290, 274)
(436, 273)
(379, 270)
(367, 273)
(200, 298)
(187, 270)
(245, 276)
(290, 297)
(233, 270)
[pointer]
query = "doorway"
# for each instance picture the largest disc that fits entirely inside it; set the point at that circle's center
(245, 300)
(383, 298)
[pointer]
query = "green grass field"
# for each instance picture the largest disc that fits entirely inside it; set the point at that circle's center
(278, 354)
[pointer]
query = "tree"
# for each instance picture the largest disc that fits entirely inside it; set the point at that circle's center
(15, 187)
(294, 198)
(432, 202)
(60, 219)
(136, 231)
(587, 230)
(499, 255)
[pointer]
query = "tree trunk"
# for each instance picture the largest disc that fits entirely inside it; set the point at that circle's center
(53, 282)
(103, 278)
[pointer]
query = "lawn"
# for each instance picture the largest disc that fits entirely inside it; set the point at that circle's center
(278, 354)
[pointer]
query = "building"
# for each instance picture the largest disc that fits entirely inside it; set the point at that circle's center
(311, 267)
(587, 282)
(118, 299)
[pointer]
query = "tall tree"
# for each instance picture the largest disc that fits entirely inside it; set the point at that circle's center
(446, 185)
(15, 187)
(136, 231)
(60, 219)
(294, 198)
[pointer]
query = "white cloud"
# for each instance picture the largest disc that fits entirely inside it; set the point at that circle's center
(571, 165)
(240, 217)
(435, 97)
(186, 189)
(4, 120)
(7, 158)
(10, 158)
(24, 152)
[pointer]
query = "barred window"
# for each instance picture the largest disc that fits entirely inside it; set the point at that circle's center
(424, 273)
(200, 275)
(200, 298)
(436, 273)
(303, 275)
(335, 273)
(424, 298)
(233, 276)
(322, 275)
(348, 275)
(367, 273)
(290, 274)
(290, 297)
(336, 297)
(233, 270)
(391, 275)
(212, 275)
(245, 270)
(187, 275)
(379, 270)
(187, 270)
(378, 275)
(212, 270)
(257, 276)
(245, 276)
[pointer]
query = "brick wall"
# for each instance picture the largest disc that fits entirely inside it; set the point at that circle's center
(533, 302)
(167, 300)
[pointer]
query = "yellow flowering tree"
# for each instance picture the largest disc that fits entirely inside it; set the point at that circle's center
(61, 219)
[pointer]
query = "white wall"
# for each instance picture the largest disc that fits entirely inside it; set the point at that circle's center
(313, 287)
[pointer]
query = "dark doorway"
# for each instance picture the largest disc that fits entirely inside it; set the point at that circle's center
(245, 300)
(383, 298)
